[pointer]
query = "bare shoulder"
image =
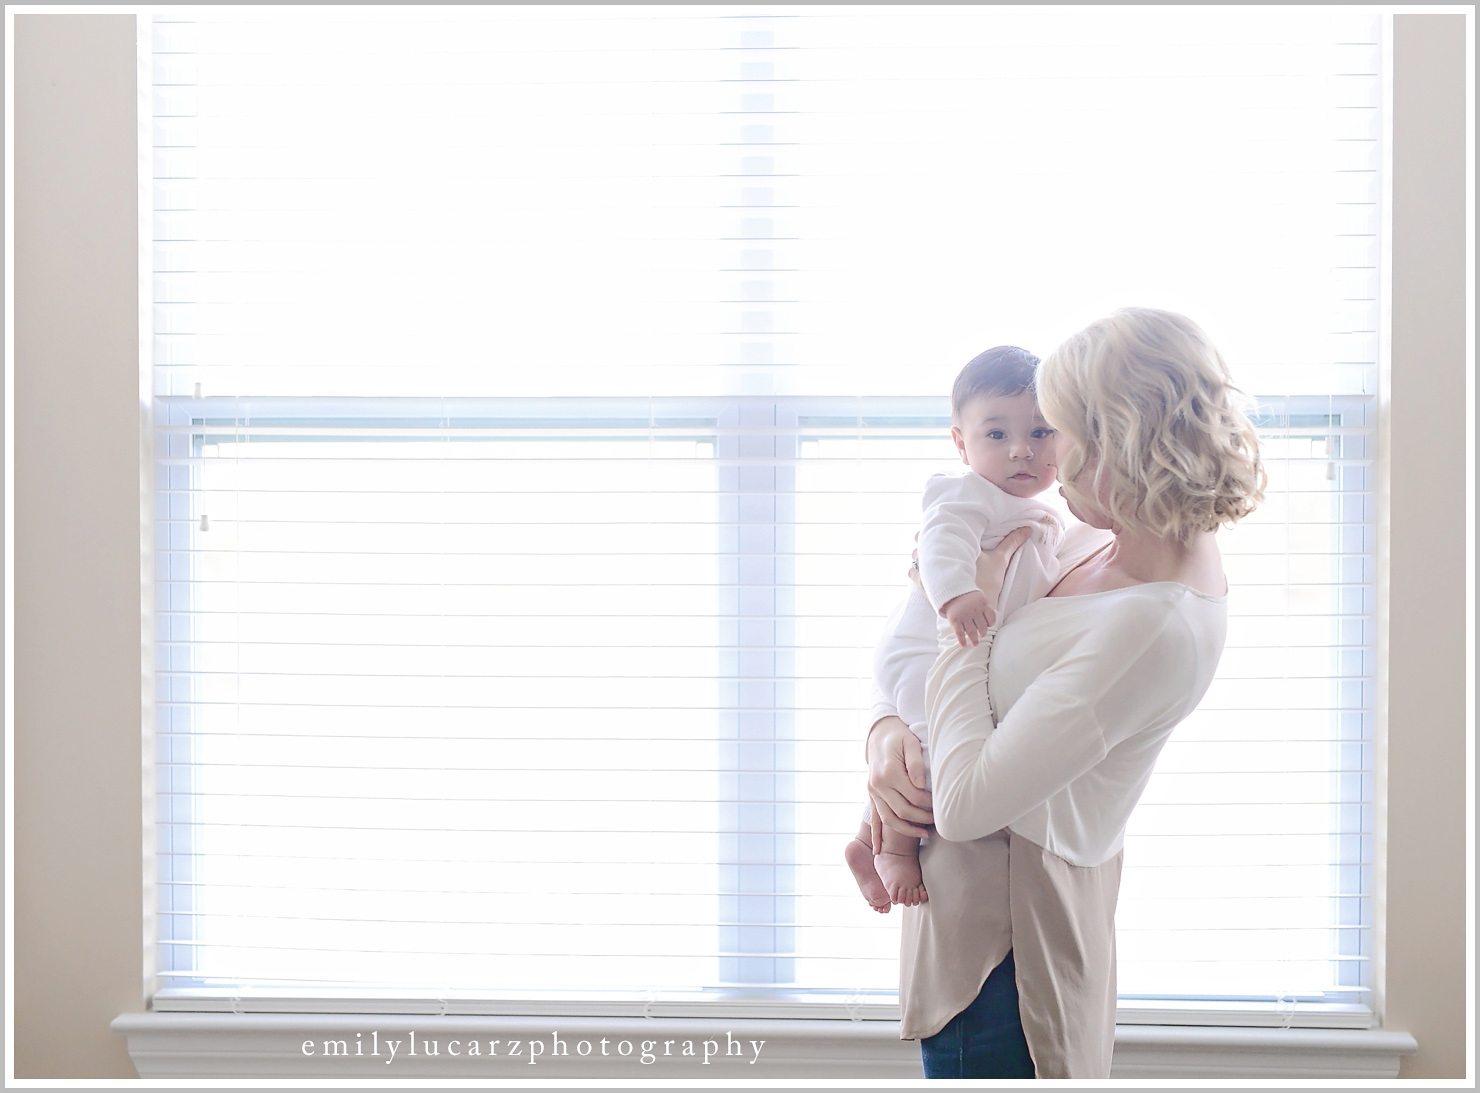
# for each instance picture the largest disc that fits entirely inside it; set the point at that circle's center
(1202, 569)
(1125, 562)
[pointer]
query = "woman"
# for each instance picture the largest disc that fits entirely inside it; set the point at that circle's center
(1009, 969)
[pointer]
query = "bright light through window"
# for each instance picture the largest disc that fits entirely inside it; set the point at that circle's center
(423, 698)
(543, 397)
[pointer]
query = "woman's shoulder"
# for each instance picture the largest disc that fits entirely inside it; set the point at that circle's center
(1150, 601)
(1156, 616)
(1173, 631)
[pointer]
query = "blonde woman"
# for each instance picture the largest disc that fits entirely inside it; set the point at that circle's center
(1009, 969)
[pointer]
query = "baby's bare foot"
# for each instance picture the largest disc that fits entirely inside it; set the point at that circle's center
(860, 858)
(901, 876)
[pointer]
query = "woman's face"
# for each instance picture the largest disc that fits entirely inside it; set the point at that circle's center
(1077, 466)
(1083, 499)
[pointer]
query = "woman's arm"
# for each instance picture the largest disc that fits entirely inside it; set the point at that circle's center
(1119, 679)
(896, 781)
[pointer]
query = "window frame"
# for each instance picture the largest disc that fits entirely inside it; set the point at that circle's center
(770, 430)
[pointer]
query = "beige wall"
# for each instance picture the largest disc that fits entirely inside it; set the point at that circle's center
(78, 894)
(80, 957)
(1426, 856)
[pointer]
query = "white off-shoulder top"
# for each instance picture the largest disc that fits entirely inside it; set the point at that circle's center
(1032, 811)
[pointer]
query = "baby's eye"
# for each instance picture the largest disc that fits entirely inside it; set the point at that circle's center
(1042, 434)
(995, 434)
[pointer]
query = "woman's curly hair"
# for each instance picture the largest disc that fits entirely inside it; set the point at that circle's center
(1146, 397)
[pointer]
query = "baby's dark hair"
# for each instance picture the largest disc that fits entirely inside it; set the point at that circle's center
(1001, 370)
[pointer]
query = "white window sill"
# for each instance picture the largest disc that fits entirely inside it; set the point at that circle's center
(218, 1045)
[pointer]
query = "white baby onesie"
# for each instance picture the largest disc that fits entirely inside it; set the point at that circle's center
(965, 514)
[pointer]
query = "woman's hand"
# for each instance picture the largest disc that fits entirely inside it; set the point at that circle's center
(991, 567)
(896, 781)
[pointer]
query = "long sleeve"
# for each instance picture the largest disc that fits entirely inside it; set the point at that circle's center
(1120, 676)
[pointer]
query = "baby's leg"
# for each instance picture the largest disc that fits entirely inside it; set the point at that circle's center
(859, 854)
(899, 868)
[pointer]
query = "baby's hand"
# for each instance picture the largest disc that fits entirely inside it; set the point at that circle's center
(969, 615)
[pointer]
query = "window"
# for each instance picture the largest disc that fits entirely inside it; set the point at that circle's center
(543, 398)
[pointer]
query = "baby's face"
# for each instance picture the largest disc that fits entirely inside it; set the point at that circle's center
(1004, 439)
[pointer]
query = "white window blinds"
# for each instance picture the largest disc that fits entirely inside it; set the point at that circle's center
(543, 397)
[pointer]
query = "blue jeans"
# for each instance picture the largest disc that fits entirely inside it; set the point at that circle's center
(985, 1040)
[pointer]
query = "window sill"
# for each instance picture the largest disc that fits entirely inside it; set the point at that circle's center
(180, 1045)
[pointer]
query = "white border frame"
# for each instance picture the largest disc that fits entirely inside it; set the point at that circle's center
(165, 1046)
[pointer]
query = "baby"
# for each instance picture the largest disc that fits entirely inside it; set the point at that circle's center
(1009, 450)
